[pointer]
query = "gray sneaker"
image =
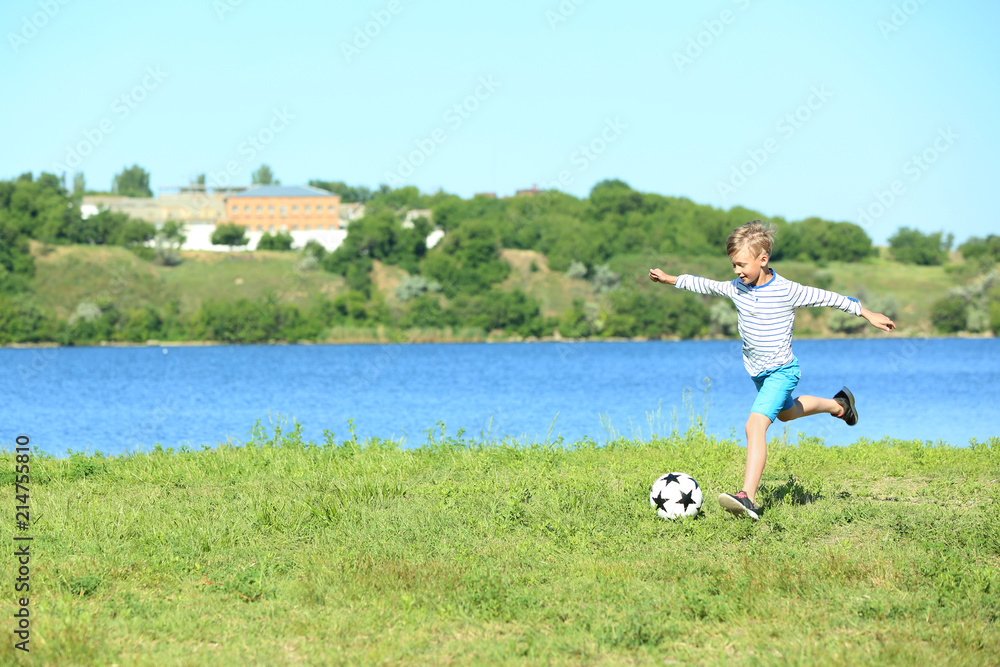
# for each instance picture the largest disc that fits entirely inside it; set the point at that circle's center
(846, 400)
(740, 505)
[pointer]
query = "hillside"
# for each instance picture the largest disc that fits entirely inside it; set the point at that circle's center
(547, 265)
(67, 276)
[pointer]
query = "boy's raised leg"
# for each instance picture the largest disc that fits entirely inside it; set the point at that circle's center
(810, 405)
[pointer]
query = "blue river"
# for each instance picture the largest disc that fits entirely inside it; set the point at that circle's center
(122, 399)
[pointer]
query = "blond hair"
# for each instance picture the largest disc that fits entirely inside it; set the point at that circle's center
(756, 235)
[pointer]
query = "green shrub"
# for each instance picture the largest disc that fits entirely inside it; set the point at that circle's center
(279, 241)
(230, 234)
(911, 246)
(426, 311)
(950, 313)
(21, 321)
(510, 311)
(140, 325)
(240, 321)
(655, 313)
(982, 249)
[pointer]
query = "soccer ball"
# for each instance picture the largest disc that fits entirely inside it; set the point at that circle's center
(675, 495)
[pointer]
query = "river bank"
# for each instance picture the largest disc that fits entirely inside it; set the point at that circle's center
(426, 337)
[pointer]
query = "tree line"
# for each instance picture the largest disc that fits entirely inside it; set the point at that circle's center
(456, 283)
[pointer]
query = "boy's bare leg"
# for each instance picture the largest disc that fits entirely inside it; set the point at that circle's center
(810, 405)
(756, 452)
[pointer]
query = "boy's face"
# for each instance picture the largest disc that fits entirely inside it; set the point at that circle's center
(749, 267)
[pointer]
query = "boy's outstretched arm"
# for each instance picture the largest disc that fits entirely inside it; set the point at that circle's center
(803, 295)
(658, 276)
(878, 320)
(693, 283)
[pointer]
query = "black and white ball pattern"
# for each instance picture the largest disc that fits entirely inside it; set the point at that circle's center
(676, 495)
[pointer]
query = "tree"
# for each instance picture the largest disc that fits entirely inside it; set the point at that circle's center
(279, 241)
(79, 185)
(911, 246)
(579, 320)
(264, 176)
(169, 240)
(40, 209)
(467, 260)
(982, 249)
(109, 228)
(133, 234)
(230, 234)
(16, 263)
(200, 179)
(132, 182)
(406, 197)
(426, 311)
(950, 313)
(21, 321)
(614, 197)
(820, 240)
(498, 309)
(654, 313)
(379, 235)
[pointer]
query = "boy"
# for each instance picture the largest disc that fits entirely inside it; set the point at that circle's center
(766, 305)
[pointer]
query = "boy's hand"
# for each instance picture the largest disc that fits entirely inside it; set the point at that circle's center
(658, 276)
(878, 320)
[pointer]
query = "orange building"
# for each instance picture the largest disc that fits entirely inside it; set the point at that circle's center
(276, 208)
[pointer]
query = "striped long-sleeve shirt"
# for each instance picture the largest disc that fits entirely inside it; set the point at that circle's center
(767, 314)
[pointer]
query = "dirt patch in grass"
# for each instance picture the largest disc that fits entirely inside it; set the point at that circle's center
(531, 274)
(387, 278)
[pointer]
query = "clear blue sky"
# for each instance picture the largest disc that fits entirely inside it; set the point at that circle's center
(880, 94)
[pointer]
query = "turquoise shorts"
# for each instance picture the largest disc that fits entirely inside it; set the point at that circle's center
(774, 389)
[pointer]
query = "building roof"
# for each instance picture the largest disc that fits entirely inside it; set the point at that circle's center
(283, 191)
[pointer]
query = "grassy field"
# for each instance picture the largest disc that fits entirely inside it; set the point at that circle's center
(286, 552)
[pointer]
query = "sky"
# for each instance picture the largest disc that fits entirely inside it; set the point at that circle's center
(881, 113)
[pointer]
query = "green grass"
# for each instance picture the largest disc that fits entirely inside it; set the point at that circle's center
(283, 552)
